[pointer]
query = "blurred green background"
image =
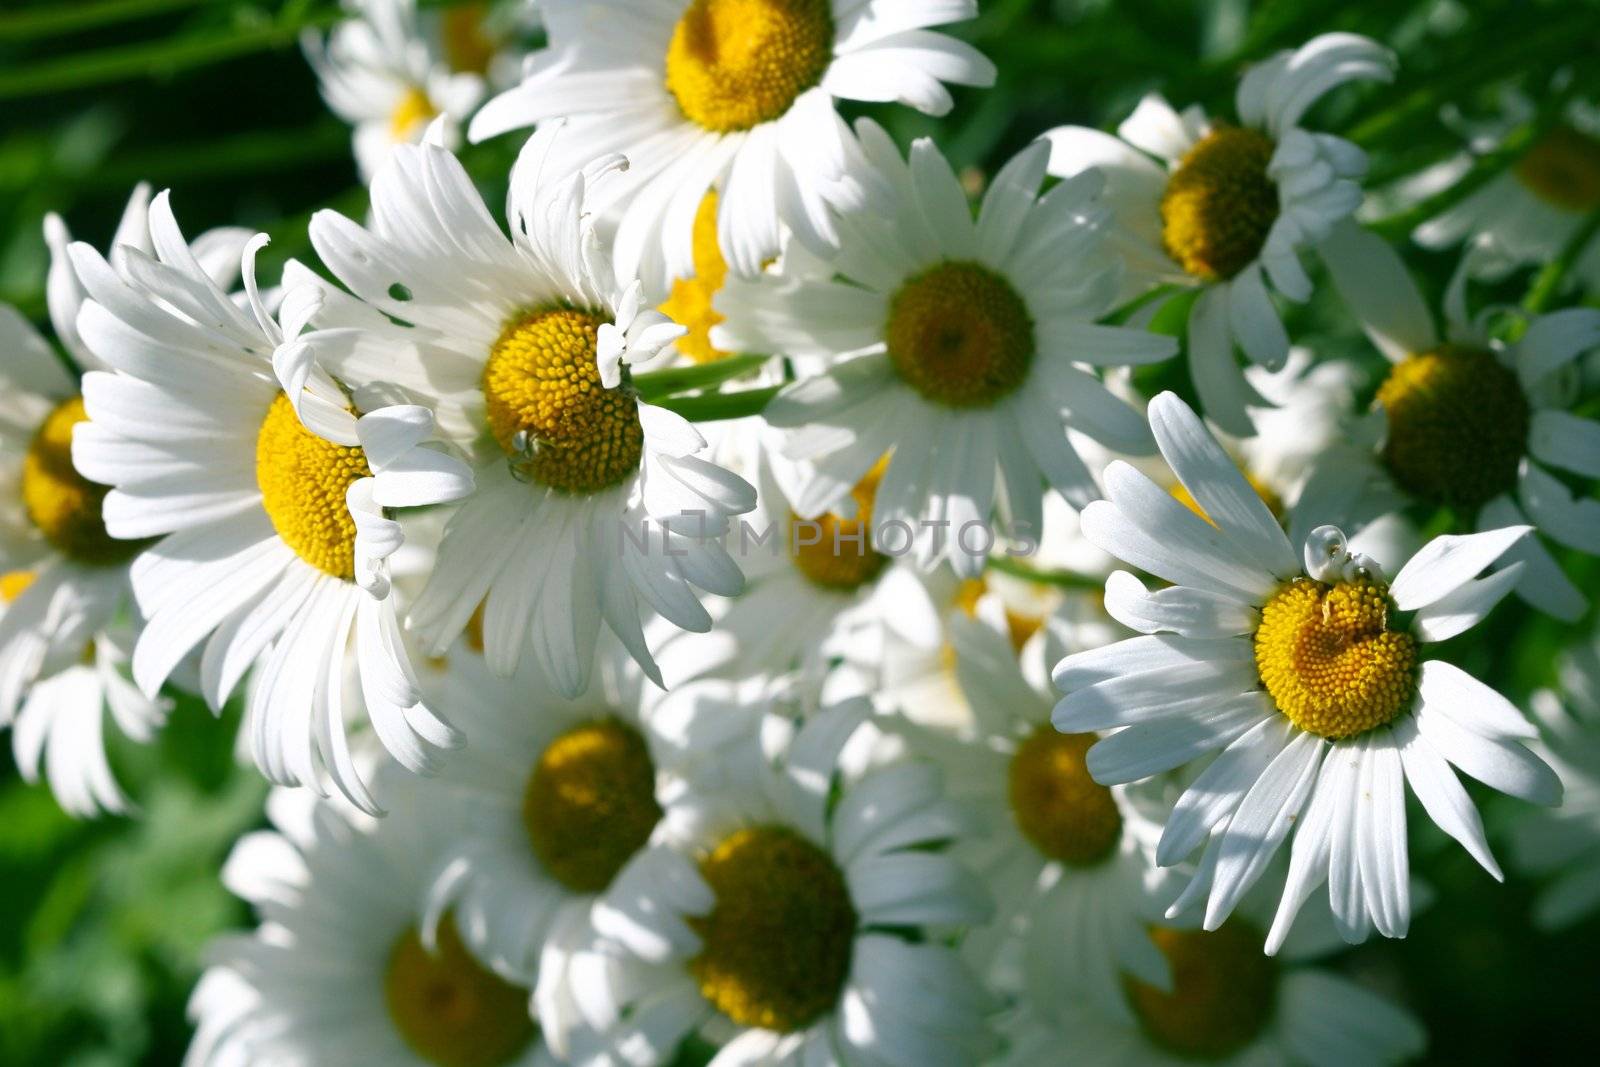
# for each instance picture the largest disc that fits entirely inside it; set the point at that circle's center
(103, 924)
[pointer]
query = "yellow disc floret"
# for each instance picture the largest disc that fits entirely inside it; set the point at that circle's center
(1458, 426)
(836, 552)
(1223, 989)
(449, 1008)
(412, 110)
(1329, 660)
(1563, 169)
(303, 480)
(776, 945)
(63, 504)
(689, 305)
(14, 583)
(547, 408)
(590, 803)
(468, 47)
(960, 335)
(1059, 808)
(734, 64)
(1220, 203)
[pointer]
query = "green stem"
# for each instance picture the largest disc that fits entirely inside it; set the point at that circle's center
(1046, 576)
(717, 407)
(1547, 283)
(62, 18)
(652, 385)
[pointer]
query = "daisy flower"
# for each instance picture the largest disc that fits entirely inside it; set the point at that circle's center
(1563, 846)
(65, 582)
(346, 966)
(951, 343)
(1067, 858)
(736, 95)
(379, 73)
(264, 481)
(589, 503)
(1229, 1003)
(1226, 209)
(1306, 679)
(797, 922)
(1473, 423)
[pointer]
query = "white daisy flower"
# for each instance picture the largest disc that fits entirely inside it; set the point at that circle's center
(381, 74)
(1470, 422)
(589, 503)
(1563, 846)
(1307, 680)
(266, 482)
(1067, 859)
(736, 95)
(951, 343)
(345, 966)
(1229, 1003)
(65, 581)
(1226, 209)
(801, 922)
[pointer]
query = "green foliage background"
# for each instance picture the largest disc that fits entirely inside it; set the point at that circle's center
(103, 924)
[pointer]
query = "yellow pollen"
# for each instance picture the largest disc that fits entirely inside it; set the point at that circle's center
(690, 302)
(542, 382)
(590, 803)
(450, 1009)
(734, 64)
(1220, 204)
(1563, 169)
(960, 335)
(63, 504)
(842, 556)
(1019, 627)
(14, 583)
(1458, 426)
(1223, 989)
(1268, 497)
(303, 479)
(413, 110)
(1059, 808)
(1329, 660)
(467, 47)
(776, 945)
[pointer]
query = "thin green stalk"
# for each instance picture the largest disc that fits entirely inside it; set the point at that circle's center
(1484, 170)
(717, 407)
(1547, 283)
(653, 385)
(63, 18)
(1046, 576)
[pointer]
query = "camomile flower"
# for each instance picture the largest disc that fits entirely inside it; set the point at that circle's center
(1470, 422)
(260, 483)
(1308, 681)
(799, 922)
(590, 504)
(1227, 209)
(379, 72)
(1563, 846)
(736, 95)
(1228, 1003)
(346, 967)
(951, 343)
(1067, 859)
(63, 579)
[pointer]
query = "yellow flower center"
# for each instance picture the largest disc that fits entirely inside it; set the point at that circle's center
(547, 408)
(776, 945)
(449, 1008)
(690, 302)
(1220, 204)
(1329, 660)
(62, 503)
(841, 555)
(1458, 426)
(734, 64)
(590, 803)
(1223, 989)
(414, 109)
(467, 47)
(1563, 169)
(1064, 812)
(1019, 627)
(1268, 497)
(303, 480)
(14, 583)
(960, 335)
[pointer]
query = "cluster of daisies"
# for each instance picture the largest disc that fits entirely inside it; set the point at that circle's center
(735, 606)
